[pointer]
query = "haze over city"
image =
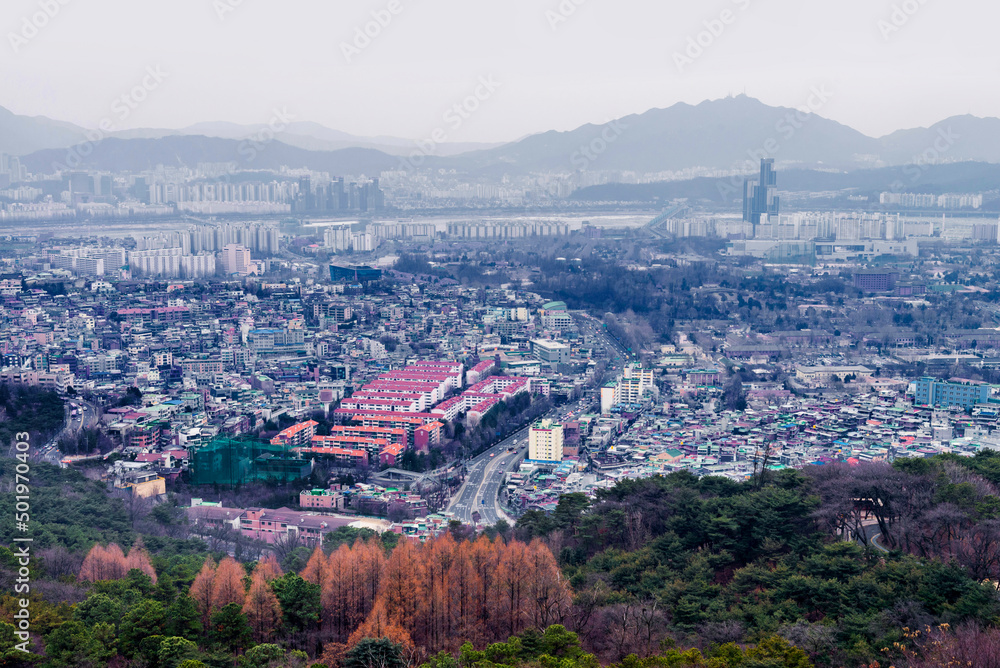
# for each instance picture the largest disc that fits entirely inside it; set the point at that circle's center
(521, 334)
(561, 65)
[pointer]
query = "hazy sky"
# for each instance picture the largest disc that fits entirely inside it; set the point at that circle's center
(238, 60)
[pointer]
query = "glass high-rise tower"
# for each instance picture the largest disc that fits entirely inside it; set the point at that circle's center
(760, 194)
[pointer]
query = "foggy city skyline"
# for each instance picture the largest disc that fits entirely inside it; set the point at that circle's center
(555, 66)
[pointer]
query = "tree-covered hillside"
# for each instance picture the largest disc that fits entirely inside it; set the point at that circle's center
(653, 573)
(33, 410)
(708, 561)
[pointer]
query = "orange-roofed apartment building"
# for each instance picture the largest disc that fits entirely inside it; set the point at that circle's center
(426, 436)
(297, 435)
(392, 454)
(321, 445)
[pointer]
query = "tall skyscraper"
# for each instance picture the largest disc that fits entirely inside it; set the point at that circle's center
(760, 194)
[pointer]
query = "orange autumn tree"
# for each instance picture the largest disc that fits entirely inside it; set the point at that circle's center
(510, 589)
(269, 568)
(201, 590)
(548, 593)
(116, 559)
(105, 563)
(401, 585)
(262, 608)
(227, 585)
(433, 596)
(463, 583)
(380, 625)
(94, 565)
(336, 582)
(484, 560)
(315, 571)
(333, 655)
(434, 616)
(138, 558)
(368, 562)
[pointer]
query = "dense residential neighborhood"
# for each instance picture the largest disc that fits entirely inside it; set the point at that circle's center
(374, 391)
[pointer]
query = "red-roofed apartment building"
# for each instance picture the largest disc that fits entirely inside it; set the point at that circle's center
(386, 419)
(373, 446)
(426, 436)
(297, 435)
(476, 373)
(391, 454)
(348, 456)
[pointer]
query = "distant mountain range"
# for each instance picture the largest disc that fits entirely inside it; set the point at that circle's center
(23, 135)
(302, 134)
(726, 134)
(732, 132)
(136, 155)
(20, 135)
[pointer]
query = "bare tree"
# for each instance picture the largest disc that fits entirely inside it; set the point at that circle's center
(635, 528)
(219, 536)
(59, 561)
(137, 507)
(978, 550)
(874, 493)
(285, 544)
(247, 549)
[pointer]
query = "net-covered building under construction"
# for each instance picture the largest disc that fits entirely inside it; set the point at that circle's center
(227, 461)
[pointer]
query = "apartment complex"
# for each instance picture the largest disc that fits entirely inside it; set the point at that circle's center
(629, 389)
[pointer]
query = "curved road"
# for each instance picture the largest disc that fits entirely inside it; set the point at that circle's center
(485, 475)
(872, 533)
(86, 418)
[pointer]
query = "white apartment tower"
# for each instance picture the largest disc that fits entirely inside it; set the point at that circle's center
(236, 259)
(545, 442)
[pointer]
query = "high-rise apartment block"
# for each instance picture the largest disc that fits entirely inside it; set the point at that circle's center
(236, 260)
(545, 442)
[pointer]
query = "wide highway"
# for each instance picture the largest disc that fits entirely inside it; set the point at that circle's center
(487, 473)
